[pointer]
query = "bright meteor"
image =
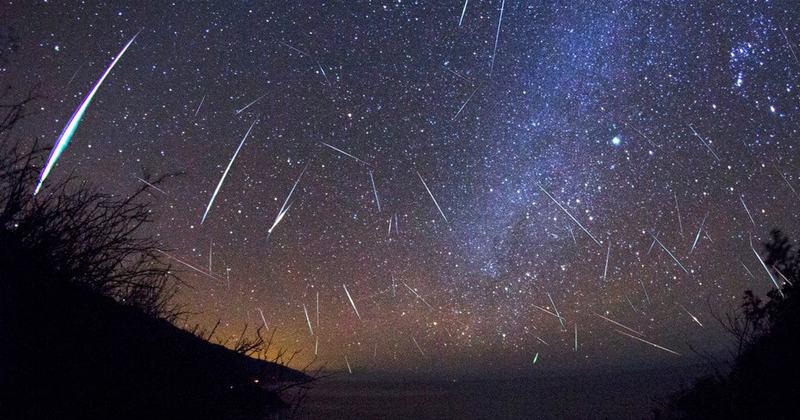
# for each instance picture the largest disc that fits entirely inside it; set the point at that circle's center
(69, 130)
(224, 174)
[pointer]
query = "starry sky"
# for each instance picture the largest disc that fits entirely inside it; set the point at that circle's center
(543, 170)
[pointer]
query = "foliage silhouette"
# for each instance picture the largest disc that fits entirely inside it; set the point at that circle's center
(764, 379)
(87, 310)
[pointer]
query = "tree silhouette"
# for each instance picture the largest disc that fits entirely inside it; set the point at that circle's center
(764, 379)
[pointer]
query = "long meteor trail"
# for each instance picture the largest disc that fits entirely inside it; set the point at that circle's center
(69, 130)
(224, 174)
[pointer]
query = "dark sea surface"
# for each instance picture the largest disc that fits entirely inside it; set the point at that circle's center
(612, 395)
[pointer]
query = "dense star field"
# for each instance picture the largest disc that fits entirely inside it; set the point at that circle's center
(534, 185)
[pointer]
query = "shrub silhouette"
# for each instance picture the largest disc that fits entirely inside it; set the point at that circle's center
(764, 380)
(86, 305)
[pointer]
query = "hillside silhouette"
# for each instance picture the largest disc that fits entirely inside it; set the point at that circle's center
(87, 311)
(763, 379)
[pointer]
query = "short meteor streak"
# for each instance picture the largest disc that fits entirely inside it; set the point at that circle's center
(345, 153)
(239, 111)
(377, 200)
(351, 301)
(771, 277)
(465, 104)
(568, 214)
(190, 266)
(264, 320)
(416, 294)
(72, 125)
(497, 35)
(151, 186)
(671, 255)
(418, 347)
(286, 205)
(348, 364)
(647, 296)
(617, 323)
(225, 174)
(432, 197)
(547, 311)
(576, 337)
(694, 318)
(308, 320)
(700, 229)
(198, 106)
(678, 210)
(705, 143)
(648, 342)
(608, 255)
(464, 10)
(741, 198)
(560, 318)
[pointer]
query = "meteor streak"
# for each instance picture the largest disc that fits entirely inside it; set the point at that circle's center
(351, 301)
(671, 255)
(568, 214)
(617, 323)
(286, 205)
(198, 106)
(771, 277)
(377, 200)
(310, 330)
(345, 153)
(260, 312)
(700, 229)
(224, 174)
(151, 185)
(497, 35)
(464, 10)
(432, 197)
(69, 130)
(648, 342)
(239, 111)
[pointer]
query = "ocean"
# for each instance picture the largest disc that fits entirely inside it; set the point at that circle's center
(615, 395)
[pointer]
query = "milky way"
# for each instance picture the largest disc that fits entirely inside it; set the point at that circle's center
(577, 183)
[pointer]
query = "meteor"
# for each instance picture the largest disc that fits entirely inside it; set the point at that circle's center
(568, 214)
(351, 301)
(671, 255)
(224, 174)
(617, 323)
(497, 35)
(560, 318)
(375, 191)
(771, 277)
(417, 344)
(69, 130)
(345, 153)
(432, 197)
(694, 318)
(264, 320)
(464, 10)
(151, 186)
(198, 106)
(286, 205)
(700, 229)
(239, 111)
(310, 330)
(648, 342)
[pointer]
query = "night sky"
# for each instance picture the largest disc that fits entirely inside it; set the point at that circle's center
(524, 160)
